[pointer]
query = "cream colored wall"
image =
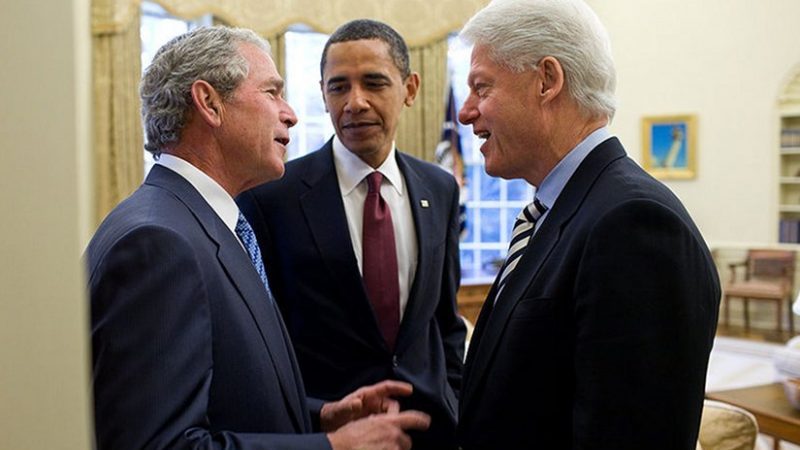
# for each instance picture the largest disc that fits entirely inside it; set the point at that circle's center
(726, 61)
(44, 123)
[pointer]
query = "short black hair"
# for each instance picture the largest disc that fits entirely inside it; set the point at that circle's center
(360, 29)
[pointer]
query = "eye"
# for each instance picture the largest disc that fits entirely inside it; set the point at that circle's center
(377, 84)
(335, 88)
(480, 90)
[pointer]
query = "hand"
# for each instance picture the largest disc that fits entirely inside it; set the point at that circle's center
(373, 399)
(379, 431)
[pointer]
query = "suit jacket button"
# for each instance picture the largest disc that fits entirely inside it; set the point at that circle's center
(394, 361)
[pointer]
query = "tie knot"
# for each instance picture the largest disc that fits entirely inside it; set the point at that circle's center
(532, 212)
(374, 182)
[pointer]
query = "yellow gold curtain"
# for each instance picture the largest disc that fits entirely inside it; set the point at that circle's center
(421, 125)
(117, 133)
(419, 21)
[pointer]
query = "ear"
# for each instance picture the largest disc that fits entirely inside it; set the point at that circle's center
(412, 87)
(207, 102)
(324, 99)
(552, 78)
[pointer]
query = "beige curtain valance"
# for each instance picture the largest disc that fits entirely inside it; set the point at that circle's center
(420, 22)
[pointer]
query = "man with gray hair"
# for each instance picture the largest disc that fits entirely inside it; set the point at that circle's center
(597, 331)
(189, 350)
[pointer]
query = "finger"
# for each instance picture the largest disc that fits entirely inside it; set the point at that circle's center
(354, 406)
(411, 420)
(393, 388)
(391, 406)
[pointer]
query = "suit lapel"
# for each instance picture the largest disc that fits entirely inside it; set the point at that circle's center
(325, 215)
(490, 330)
(423, 224)
(245, 279)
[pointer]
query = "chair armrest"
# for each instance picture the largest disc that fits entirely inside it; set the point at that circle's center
(733, 266)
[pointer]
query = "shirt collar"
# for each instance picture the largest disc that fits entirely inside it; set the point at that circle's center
(351, 170)
(554, 182)
(217, 197)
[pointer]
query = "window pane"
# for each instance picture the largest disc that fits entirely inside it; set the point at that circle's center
(518, 190)
(490, 224)
(490, 186)
(491, 260)
(469, 268)
(314, 128)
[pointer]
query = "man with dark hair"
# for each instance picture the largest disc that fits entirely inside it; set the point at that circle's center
(189, 350)
(360, 241)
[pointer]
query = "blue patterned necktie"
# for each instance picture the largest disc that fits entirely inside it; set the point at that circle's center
(248, 238)
(520, 237)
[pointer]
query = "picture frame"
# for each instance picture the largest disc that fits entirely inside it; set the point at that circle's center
(669, 149)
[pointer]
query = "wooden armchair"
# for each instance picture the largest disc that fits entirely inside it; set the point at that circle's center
(769, 275)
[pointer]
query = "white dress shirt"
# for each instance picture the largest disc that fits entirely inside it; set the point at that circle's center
(351, 172)
(217, 198)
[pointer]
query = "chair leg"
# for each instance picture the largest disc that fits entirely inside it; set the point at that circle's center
(791, 318)
(780, 316)
(746, 315)
(725, 307)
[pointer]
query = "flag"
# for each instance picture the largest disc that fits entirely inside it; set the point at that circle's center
(449, 157)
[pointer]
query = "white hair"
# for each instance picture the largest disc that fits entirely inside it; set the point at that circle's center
(519, 33)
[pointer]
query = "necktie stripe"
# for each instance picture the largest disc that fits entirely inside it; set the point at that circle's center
(520, 238)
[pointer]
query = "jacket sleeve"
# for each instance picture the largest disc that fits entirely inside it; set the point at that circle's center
(647, 295)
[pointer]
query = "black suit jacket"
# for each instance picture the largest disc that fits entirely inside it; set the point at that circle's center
(301, 226)
(188, 349)
(601, 337)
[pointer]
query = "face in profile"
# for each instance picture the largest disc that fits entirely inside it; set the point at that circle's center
(256, 121)
(364, 93)
(504, 109)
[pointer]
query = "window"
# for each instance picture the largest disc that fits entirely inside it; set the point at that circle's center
(492, 203)
(303, 92)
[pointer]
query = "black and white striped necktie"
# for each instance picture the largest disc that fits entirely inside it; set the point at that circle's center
(520, 236)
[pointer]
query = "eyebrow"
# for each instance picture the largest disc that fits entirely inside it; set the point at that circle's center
(369, 76)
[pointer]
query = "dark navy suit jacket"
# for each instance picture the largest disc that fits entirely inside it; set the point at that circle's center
(301, 226)
(188, 348)
(601, 337)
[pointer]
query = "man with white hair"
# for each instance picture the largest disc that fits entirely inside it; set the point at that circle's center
(597, 330)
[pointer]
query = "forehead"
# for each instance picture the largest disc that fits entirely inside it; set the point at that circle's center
(260, 63)
(359, 57)
(483, 67)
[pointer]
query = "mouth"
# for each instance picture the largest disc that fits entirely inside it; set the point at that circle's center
(284, 141)
(483, 134)
(359, 124)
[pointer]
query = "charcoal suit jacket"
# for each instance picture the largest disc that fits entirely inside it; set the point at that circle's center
(188, 349)
(601, 337)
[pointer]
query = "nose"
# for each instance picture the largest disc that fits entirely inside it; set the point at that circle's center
(288, 116)
(356, 101)
(469, 112)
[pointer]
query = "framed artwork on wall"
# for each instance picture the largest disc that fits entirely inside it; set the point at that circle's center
(669, 148)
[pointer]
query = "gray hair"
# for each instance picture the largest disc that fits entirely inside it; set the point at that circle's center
(519, 33)
(208, 53)
(360, 29)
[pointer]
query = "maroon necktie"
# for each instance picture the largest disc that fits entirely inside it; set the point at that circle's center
(379, 261)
